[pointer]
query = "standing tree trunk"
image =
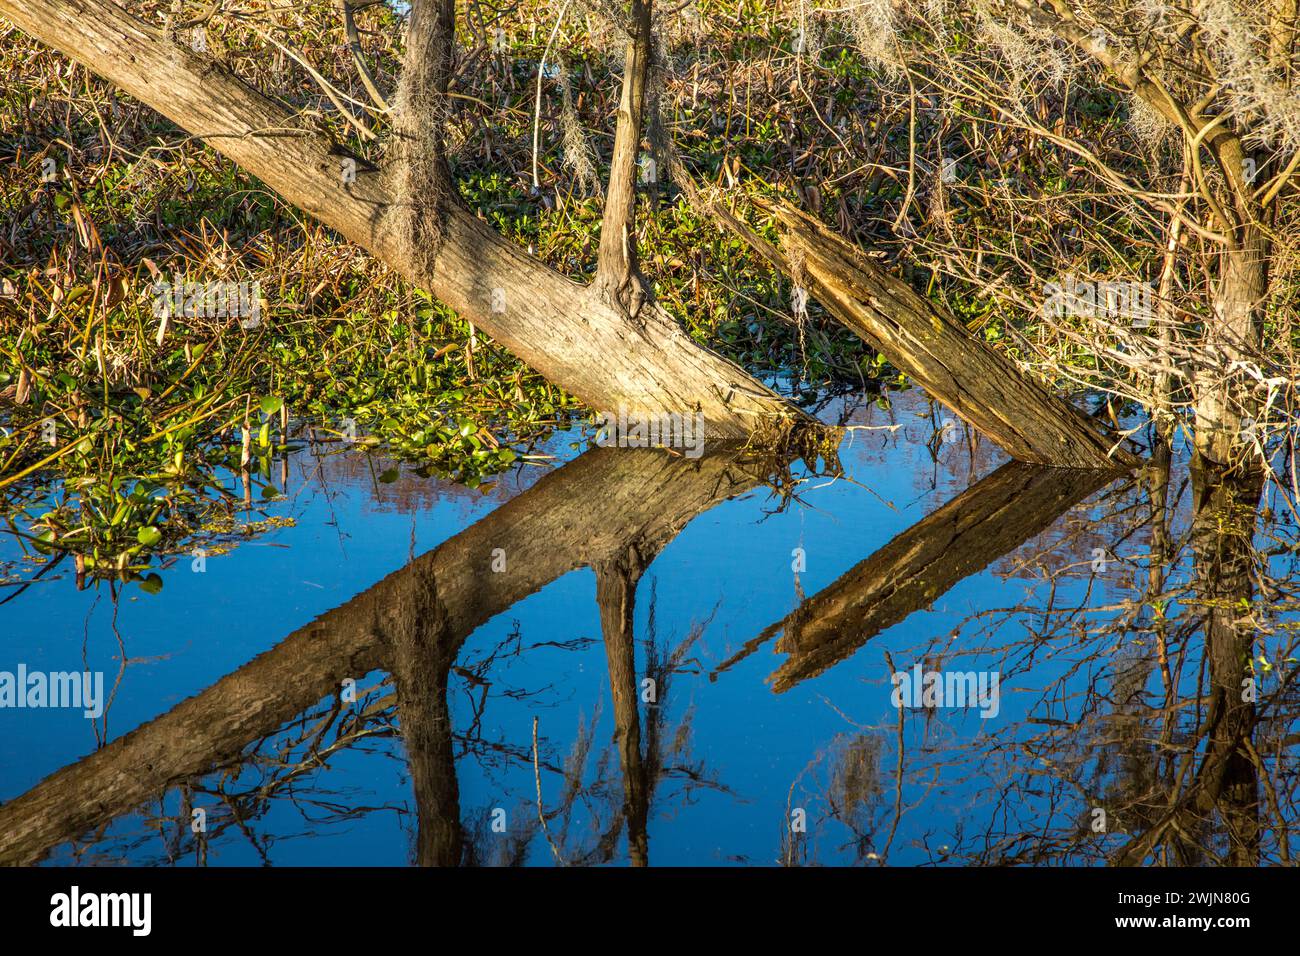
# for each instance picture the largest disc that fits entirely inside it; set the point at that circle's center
(1225, 404)
(617, 274)
(422, 179)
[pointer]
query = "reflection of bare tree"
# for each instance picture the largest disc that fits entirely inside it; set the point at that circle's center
(1227, 506)
(855, 789)
(421, 649)
(1125, 736)
(990, 519)
(1145, 742)
(1221, 779)
(845, 782)
(616, 581)
(1151, 737)
(282, 767)
(1143, 778)
(648, 755)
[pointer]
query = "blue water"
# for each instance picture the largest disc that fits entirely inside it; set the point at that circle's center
(742, 759)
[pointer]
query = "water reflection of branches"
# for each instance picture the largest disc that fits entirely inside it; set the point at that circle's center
(591, 786)
(1158, 720)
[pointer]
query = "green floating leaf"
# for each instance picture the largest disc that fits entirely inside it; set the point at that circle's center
(148, 536)
(151, 583)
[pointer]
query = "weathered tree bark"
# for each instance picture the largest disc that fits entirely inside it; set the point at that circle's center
(988, 520)
(567, 332)
(586, 513)
(422, 179)
(1233, 333)
(617, 274)
(979, 384)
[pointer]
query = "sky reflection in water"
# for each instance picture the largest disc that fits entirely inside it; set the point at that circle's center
(772, 698)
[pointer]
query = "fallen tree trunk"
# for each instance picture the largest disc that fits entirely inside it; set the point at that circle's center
(569, 333)
(976, 382)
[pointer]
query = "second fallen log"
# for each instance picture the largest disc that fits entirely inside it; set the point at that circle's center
(978, 383)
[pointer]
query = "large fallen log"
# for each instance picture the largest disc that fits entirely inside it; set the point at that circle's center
(979, 384)
(573, 335)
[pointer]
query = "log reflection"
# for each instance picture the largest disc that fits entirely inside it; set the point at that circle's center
(591, 512)
(990, 519)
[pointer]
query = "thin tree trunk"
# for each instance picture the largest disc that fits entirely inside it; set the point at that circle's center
(1162, 399)
(422, 178)
(616, 582)
(617, 275)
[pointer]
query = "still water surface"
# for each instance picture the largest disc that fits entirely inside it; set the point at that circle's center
(690, 665)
